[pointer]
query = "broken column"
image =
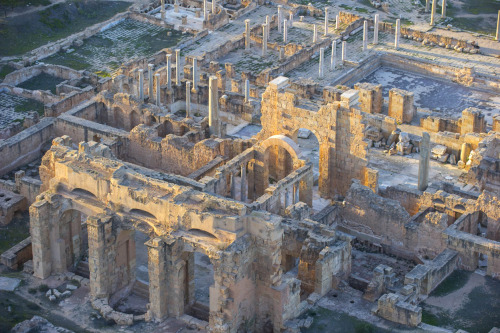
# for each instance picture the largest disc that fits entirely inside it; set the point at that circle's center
(264, 40)
(157, 77)
(178, 67)
(334, 55)
(443, 9)
(169, 72)
(285, 31)
(247, 34)
(365, 35)
(188, 99)
(290, 19)
(433, 12)
(279, 17)
(465, 152)
(247, 90)
(213, 7)
(213, 106)
(141, 85)
(195, 74)
(401, 105)
(315, 34)
(150, 82)
(326, 21)
(204, 10)
(427, 6)
(321, 55)
(176, 6)
(337, 22)
(162, 9)
(423, 166)
(497, 37)
(375, 30)
(344, 45)
(243, 184)
(370, 97)
(398, 32)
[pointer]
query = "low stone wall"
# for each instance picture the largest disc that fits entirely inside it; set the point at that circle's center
(17, 255)
(42, 96)
(68, 102)
(26, 73)
(393, 308)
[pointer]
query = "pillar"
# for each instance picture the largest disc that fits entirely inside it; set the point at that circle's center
(279, 17)
(295, 193)
(398, 32)
(247, 34)
(243, 189)
(204, 10)
(427, 6)
(464, 152)
(188, 99)
(497, 37)
(176, 6)
(290, 19)
(375, 30)
(365, 35)
(344, 45)
(287, 200)
(162, 9)
(98, 257)
(40, 212)
(169, 72)
(423, 166)
(443, 9)
(264, 40)
(334, 55)
(141, 85)
(321, 56)
(326, 21)
(150, 82)
(213, 7)
(285, 31)
(158, 285)
(195, 74)
(315, 33)
(433, 12)
(337, 23)
(213, 106)
(157, 78)
(232, 185)
(247, 90)
(178, 67)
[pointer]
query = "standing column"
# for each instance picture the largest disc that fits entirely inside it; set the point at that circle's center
(315, 34)
(169, 72)
(232, 186)
(365, 35)
(247, 90)
(264, 40)
(213, 106)
(150, 82)
(321, 55)
(178, 67)
(294, 198)
(279, 17)
(157, 78)
(204, 10)
(344, 52)
(195, 74)
(285, 31)
(426, 6)
(375, 30)
(162, 9)
(498, 27)
(443, 9)
(398, 32)
(158, 278)
(141, 85)
(433, 11)
(290, 19)
(336, 22)
(465, 152)
(326, 21)
(213, 7)
(423, 166)
(247, 34)
(287, 199)
(188, 99)
(243, 184)
(334, 55)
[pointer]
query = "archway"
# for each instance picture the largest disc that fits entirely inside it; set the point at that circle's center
(74, 236)
(281, 156)
(203, 278)
(118, 116)
(135, 119)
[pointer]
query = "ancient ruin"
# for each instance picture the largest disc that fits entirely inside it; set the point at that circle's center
(253, 166)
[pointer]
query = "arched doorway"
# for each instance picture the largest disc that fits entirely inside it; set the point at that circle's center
(135, 119)
(118, 116)
(75, 242)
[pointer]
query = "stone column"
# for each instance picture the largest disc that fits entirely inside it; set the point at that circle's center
(150, 82)
(247, 90)
(464, 152)
(188, 99)
(204, 10)
(426, 6)
(176, 6)
(334, 55)
(290, 19)
(279, 17)
(195, 74)
(243, 189)
(315, 34)
(158, 286)
(213, 106)
(285, 31)
(398, 32)
(40, 213)
(287, 199)
(365, 35)
(264, 41)
(344, 58)
(321, 56)
(169, 72)
(295, 193)
(375, 30)
(213, 7)
(423, 166)
(267, 19)
(157, 78)
(97, 229)
(162, 9)
(443, 9)
(232, 185)
(433, 12)
(326, 21)
(178, 67)
(497, 37)
(141, 85)
(337, 23)
(247, 34)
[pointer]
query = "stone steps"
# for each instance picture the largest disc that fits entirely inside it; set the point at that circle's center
(200, 311)
(141, 289)
(83, 269)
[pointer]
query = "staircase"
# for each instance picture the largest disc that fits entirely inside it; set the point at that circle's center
(200, 311)
(141, 289)
(83, 269)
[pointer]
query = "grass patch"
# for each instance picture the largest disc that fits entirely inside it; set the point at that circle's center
(346, 7)
(325, 320)
(15, 232)
(455, 281)
(4, 70)
(30, 105)
(26, 32)
(361, 10)
(42, 81)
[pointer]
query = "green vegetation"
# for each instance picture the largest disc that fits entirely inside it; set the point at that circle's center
(346, 7)
(4, 70)
(42, 81)
(15, 232)
(361, 10)
(29, 31)
(19, 311)
(30, 105)
(325, 320)
(455, 281)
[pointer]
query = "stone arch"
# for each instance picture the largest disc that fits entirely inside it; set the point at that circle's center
(118, 116)
(280, 157)
(135, 119)
(83, 192)
(286, 143)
